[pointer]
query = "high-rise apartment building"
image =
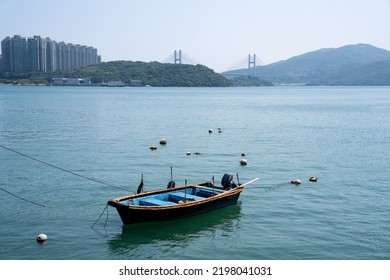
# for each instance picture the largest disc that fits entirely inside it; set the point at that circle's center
(14, 53)
(37, 54)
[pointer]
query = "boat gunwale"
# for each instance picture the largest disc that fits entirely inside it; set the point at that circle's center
(158, 191)
(116, 201)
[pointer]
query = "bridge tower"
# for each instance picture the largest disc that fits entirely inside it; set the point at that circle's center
(252, 64)
(177, 57)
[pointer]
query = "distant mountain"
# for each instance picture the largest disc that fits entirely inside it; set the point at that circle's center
(359, 64)
(369, 74)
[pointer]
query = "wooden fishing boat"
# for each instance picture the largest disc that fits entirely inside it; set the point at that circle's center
(176, 202)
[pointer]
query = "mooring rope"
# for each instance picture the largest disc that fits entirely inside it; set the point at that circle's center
(101, 214)
(22, 197)
(60, 168)
(106, 217)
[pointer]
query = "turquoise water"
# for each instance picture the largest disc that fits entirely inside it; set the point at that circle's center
(339, 134)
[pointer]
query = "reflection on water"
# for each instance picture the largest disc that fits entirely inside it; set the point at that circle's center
(175, 233)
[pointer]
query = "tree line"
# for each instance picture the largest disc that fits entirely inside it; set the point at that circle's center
(152, 73)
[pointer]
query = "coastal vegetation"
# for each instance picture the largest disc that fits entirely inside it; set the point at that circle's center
(250, 81)
(129, 72)
(153, 74)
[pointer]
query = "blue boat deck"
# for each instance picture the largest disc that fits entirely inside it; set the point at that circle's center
(171, 198)
(154, 202)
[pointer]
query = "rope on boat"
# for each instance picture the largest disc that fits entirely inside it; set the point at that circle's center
(101, 214)
(60, 168)
(22, 198)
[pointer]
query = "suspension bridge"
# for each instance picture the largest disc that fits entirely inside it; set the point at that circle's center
(180, 57)
(249, 62)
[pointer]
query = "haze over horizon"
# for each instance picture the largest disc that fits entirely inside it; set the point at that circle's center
(216, 33)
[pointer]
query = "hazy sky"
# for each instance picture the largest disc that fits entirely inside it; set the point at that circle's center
(216, 33)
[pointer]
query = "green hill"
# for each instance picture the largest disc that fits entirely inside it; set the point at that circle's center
(153, 74)
(357, 64)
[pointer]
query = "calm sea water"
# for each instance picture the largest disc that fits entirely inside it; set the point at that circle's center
(339, 134)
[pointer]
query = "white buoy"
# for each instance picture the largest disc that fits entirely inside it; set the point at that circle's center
(313, 179)
(210, 130)
(188, 153)
(42, 238)
(243, 162)
(296, 182)
(163, 141)
(243, 154)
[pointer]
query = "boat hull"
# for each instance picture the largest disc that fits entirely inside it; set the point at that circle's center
(137, 214)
